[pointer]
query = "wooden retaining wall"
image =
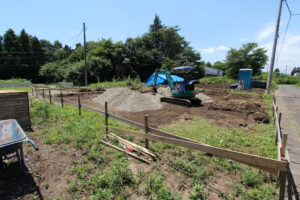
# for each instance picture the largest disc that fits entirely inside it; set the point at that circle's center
(14, 104)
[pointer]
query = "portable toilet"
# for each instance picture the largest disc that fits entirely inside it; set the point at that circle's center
(245, 75)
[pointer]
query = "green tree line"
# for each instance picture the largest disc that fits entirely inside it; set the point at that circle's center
(160, 47)
(25, 56)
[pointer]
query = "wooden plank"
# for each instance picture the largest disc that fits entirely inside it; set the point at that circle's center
(126, 142)
(150, 129)
(264, 163)
(130, 154)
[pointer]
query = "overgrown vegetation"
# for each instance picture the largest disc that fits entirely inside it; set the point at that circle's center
(217, 79)
(115, 83)
(15, 80)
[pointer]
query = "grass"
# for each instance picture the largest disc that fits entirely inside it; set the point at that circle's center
(103, 173)
(278, 78)
(118, 83)
(24, 89)
(15, 80)
(217, 79)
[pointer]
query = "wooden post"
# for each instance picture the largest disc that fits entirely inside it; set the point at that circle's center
(43, 92)
(106, 119)
(279, 119)
(146, 131)
(284, 142)
(282, 184)
(79, 104)
(36, 92)
(32, 91)
(50, 98)
(61, 99)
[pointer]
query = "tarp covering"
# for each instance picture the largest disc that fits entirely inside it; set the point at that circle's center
(162, 78)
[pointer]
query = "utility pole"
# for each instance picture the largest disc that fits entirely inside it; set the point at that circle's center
(269, 85)
(85, 67)
(286, 69)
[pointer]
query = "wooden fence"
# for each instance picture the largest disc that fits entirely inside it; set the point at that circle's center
(279, 167)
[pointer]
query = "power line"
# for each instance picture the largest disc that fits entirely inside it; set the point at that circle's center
(76, 37)
(286, 29)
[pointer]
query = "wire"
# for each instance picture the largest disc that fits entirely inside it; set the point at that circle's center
(287, 5)
(286, 29)
(77, 37)
(283, 39)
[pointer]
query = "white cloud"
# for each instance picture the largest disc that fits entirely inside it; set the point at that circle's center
(266, 32)
(290, 52)
(212, 50)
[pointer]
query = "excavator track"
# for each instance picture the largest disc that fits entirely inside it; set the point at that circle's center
(183, 102)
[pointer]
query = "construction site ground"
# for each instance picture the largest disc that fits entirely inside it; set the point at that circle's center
(53, 171)
(228, 108)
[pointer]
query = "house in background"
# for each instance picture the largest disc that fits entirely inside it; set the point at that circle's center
(209, 71)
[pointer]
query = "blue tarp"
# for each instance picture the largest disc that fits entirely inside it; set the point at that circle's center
(162, 78)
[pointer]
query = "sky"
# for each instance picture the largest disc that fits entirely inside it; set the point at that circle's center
(212, 27)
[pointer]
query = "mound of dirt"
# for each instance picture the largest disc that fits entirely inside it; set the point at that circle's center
(127, 100)
(249, 108)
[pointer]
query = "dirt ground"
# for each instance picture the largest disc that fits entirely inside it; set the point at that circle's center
(232, 110)
(47, 173)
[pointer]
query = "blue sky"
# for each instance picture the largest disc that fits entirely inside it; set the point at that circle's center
(212, 27)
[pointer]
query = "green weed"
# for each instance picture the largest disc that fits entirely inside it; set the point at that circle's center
(198, 193)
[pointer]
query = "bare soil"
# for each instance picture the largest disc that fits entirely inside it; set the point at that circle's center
(232, 110)
(47, 173)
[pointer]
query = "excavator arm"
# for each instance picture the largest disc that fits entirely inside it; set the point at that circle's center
(168, 76)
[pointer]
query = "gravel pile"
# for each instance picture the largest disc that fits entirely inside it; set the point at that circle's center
(127, 100)
(165, 91)
(204, 98)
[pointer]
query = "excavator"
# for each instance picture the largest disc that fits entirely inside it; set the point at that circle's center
(182, 93)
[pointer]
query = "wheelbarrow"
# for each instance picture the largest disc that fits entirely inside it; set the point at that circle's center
(12, 137)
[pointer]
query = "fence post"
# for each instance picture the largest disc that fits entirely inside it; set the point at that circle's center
(79, 104)
(284, 142)
(279, 119)
(282, 184)
(50, 98)
(36, 92)
(146, 131)
(32, 91)
(61, 99)
(106, 118)
(43, 92)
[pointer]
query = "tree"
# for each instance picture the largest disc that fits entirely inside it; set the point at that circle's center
(100, 66)
(157, 25)
(1, 43)
(57, 44)
(295, 70)
(208, 64)
(11, 43)
(24, 41)
(249, 56)
(220, 65)
(277, 70)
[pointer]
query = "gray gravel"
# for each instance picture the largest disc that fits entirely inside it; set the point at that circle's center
(127, 100)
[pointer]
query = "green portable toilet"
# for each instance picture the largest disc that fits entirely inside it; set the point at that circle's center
(245, 75)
